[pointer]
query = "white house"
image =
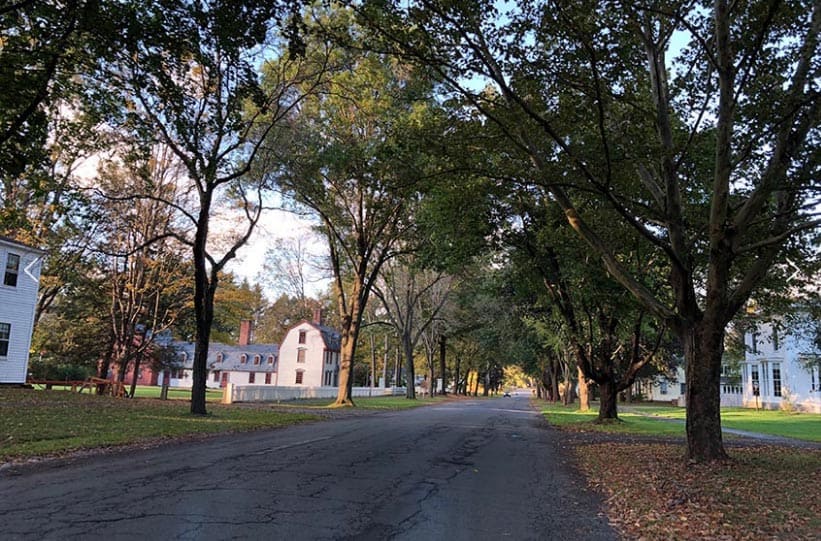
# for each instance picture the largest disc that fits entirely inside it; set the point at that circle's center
(20, 272)
(242, 363)
(673, 388)
(781, 365)
(309, 355)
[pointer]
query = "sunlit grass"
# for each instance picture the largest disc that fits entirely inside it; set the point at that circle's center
(370, 402)
(629, 423)
(649, 419)
(36, 423)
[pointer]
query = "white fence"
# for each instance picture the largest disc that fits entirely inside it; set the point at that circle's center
(269, 393)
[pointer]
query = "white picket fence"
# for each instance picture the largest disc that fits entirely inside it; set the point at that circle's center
(274, 393)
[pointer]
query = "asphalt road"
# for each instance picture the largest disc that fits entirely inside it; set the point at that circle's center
(484, 469)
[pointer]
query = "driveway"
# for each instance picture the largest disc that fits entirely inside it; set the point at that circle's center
(471, 469)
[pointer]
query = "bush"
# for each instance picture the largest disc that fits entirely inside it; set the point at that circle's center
(53, 369)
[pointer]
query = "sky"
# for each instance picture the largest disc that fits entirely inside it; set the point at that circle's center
(275, 224)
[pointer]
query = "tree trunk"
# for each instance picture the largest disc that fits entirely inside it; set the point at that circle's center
(343, 397)
(584, 392)
(385, 365)
(442, 351)
(373, 361)
(457, 375)
(703, 349)
(137, 360)
(410, 376)
(352, 320)
(396, 367)
(608, 395)
(204, 288)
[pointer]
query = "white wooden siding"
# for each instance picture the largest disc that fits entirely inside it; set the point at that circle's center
(17, 305)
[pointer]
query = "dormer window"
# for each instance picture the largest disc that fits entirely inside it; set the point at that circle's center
(219, 357)
(12, 270)
(183, 357)
(243, 358)
(256, 359)
(270, 359)
(302, 335)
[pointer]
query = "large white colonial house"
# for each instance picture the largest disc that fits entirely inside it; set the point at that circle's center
(19, 281)
(781, 365)
(781, 370)
(308, 357)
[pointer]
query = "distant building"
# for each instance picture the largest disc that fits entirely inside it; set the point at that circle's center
(782, 365)
(19, 282)
(309, 356)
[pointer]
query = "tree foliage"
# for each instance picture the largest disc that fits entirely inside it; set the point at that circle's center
(715, 170)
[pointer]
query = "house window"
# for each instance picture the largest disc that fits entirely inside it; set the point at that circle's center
(270, 359)
(267, 378)
(302, 337)
(775, 339)
(754, 380)
(683, 389)
(252, 377)
(815, 373)
(300, 356)
(5, 336)
(256, 359)
(299, 374)
(243, 358)
(219, 357)
(776, 379)
(754, 341)
(12, 270)
(216, 375)
(663, 386)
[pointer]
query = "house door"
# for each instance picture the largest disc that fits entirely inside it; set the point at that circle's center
(224, 380)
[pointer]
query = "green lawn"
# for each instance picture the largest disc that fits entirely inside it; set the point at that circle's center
(803, 426)
(36, 423)
(211, 395)
(631, 423)
(39, 422)
(370, 403)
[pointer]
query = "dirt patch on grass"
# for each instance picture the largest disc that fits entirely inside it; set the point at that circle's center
(651, 492)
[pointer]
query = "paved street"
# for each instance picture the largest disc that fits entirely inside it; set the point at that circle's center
(482, 469)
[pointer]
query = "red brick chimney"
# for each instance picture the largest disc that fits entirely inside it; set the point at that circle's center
(245, 331)
(318, 316)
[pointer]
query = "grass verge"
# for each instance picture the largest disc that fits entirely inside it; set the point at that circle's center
(38, 423)
(48, 423)
(368, 403)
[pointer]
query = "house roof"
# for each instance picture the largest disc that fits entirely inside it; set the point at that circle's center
(331, 337)
(18, 244)
(231, 356)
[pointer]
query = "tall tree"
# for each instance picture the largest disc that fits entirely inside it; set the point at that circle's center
(147, 278)
(412, 298)
(611, 336)
(187, 75)
(352, 160)
(723, 139)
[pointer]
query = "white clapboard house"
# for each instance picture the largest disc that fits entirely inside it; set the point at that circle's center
(19, 281)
